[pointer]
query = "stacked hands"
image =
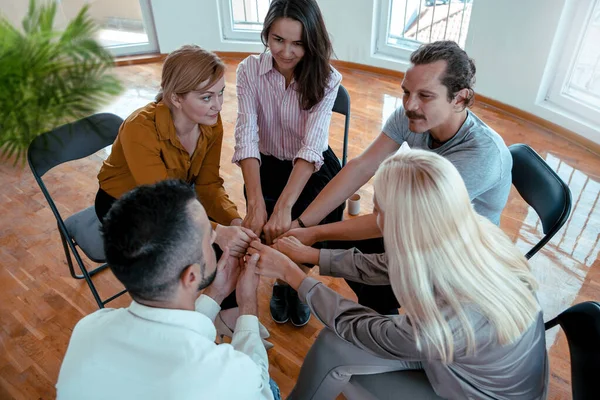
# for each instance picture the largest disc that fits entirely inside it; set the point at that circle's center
(245, 258)
(279, 225)
(240, 234)
(286, 243)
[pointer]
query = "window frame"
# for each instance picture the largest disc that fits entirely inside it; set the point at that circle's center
(140, 48)
(230, 34)
(400, 52)
(565, 49)
(383, 11)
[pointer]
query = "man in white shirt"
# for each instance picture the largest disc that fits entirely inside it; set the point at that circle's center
(158, 244)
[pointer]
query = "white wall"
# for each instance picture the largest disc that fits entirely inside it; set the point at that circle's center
(197, 21)
(510, 41)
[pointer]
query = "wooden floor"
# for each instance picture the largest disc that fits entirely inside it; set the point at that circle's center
(40, 303)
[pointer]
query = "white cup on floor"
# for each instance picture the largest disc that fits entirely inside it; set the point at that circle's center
(354, 204)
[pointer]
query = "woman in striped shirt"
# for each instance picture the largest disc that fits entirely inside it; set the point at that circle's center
(285, 100)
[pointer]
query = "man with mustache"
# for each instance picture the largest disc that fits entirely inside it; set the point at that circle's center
(438, 89)
(158, 243)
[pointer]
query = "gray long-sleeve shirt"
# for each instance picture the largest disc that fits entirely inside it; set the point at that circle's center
(515, 371)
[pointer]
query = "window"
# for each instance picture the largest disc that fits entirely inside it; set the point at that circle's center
(243, 19)
(575, 84)
(126, 26)
(405, 24)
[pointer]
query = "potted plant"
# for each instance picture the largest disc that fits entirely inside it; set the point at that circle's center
(49, 77)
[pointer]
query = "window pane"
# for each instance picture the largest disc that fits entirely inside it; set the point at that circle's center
(426, 21)
(121, 22)
(583, 83)
(248, 15)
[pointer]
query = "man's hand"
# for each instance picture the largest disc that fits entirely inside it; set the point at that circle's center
(236, 238)
(225, 279)
(247, 285)
(274, 264)
(279, 223)
(256, 217)
(306, 236)
(296, 251)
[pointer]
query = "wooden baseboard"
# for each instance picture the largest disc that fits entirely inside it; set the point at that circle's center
(367, 68)
(527, 116)
(541, 122)
(234, 54)
(140, 59)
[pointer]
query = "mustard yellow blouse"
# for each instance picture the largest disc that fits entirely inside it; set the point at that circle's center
(147, 150)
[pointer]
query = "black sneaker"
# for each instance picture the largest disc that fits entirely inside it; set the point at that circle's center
(279, 304)
(299, 312)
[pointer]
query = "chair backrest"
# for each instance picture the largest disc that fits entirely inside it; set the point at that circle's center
(342, 106)
(342, 101)
(581, 324)
(72, 141)
(542, 189)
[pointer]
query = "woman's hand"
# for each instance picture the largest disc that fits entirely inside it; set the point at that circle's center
(236, 222)
(274, 264)
(279, 223)
(256, 218)
(296, 251)
(306, 236)
(236, 238)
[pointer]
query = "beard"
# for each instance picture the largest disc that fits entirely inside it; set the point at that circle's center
(206, 281)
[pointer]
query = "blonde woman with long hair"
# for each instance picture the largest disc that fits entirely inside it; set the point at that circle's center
(471, 320)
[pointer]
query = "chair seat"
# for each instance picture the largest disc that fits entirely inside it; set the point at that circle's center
(84, 228)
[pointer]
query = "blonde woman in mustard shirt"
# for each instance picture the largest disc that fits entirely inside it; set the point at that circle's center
(179, 136)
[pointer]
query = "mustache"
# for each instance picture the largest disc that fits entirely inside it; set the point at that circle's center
(413, 115)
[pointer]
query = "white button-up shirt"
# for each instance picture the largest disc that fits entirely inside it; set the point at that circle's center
(148, 353)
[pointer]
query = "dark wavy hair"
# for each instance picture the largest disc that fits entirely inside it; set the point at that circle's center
(312, 72)
(149, 238)
(460, 69)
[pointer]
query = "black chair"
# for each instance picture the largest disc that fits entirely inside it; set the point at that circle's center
(342, 106)
(542, 189)
(67, 143)
(581, 324)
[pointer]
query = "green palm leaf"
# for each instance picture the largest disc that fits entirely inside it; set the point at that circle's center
(47, 77)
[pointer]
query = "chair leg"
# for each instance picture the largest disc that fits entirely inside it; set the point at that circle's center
(68, 256)
(552, 323)
(111, 298)
(85, 274)
(70, 261)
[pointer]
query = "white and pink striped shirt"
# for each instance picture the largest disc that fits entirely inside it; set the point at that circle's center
(271, 120)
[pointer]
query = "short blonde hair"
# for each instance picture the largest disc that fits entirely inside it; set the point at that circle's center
(442, 254)
(186, 68)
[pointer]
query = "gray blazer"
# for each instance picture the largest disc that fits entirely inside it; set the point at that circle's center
(515, 371)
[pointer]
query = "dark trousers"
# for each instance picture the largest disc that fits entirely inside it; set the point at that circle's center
(274, 175)
(102, 205)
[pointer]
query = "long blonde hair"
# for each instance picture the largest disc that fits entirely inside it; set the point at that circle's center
(186, 68)
(442, 254)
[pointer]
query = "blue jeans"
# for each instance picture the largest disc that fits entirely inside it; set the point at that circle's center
(275, 389)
